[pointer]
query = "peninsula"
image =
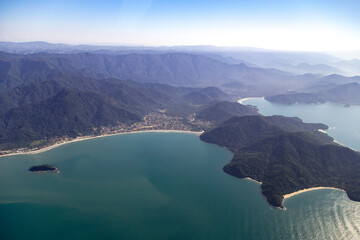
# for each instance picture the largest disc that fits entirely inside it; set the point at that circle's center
(286, 156)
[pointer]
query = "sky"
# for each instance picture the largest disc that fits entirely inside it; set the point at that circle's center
(299, 25)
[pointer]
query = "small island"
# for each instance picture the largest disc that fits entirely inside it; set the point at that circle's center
(44, 168)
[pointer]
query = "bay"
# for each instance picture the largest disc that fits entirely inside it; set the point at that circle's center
(155, 186)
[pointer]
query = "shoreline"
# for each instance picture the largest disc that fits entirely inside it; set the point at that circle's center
(248, 178)
(47, 171)
(241, 100)
(78, 139)
(322, 131)
(345, 146)
(289, 195)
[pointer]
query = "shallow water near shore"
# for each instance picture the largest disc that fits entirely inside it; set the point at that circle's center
(155, 186)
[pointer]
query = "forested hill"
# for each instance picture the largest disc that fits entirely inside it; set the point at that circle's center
(286, 155)
(221, 111)
(40, 108)
(344, 93)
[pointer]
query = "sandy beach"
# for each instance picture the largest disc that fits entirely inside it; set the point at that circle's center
(253, 180)
(307, 190)
(321, 130)
(244, 99)
(92, 137)
(345, 146)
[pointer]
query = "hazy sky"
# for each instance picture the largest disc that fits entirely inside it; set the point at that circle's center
(320, 25)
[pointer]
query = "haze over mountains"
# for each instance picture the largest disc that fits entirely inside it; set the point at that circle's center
(296, 62)
(178, 69)
(244, 73)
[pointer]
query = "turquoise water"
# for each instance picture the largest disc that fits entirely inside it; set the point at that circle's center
(156, 186)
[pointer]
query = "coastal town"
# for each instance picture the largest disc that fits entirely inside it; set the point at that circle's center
(155, 121)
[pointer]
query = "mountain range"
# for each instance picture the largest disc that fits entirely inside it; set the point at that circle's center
(176, 69)
(295, 62)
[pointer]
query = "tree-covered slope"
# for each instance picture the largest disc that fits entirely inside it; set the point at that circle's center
(69, 105)
(239, 132)
(224, 110)
(346, 94)
(69, 113)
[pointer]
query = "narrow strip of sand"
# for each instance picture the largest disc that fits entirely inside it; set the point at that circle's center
(345, 146)
(253, 180)
(309, 189)
(244, 99)
(92, 137)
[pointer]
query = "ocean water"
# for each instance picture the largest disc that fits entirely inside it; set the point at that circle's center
(156, 186)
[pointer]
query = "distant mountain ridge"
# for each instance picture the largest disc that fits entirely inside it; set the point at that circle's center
(177, 69)
(345, 94)
(288, 61)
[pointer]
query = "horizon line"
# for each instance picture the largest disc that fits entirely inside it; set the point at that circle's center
(250, 48)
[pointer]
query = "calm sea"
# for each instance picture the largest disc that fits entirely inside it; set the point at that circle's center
(158, 186)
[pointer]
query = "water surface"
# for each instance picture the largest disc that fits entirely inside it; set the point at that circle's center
(343, 121)
(155, 186)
